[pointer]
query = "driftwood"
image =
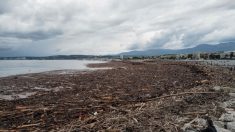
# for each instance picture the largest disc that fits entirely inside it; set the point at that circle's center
(28, 125)
(180, 94)
(195, 113)
(137, 98)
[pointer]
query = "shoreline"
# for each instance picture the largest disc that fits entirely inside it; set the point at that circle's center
(120, 98)
(65, 72)
(20, 67)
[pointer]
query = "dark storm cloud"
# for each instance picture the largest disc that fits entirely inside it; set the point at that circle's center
(37, 35)
(4, 6)
(4, 49)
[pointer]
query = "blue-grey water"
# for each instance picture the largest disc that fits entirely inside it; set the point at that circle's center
(16, 67)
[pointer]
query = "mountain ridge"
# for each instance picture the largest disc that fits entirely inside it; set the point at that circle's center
(228, 46)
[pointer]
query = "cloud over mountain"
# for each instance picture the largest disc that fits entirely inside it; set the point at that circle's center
(47, 27)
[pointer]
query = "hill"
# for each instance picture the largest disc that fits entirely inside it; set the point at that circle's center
(230, 46)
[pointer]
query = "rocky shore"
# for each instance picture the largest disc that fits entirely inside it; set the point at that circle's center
(151, 95)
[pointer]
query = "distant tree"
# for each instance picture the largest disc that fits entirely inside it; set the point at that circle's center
(172, 57)
(203, 56)
(183, 57)
(214, 56)
(226, 56)
(135, 58)
(190, 56)
(231, 55)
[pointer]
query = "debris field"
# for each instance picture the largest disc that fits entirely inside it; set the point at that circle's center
(150, 95)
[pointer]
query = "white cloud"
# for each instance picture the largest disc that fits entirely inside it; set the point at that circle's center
(111, 26)
(175, 42)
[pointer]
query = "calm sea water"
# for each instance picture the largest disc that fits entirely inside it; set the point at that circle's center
(16, 67)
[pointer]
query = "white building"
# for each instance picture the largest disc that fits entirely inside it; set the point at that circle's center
(121, 57)
(197, 56)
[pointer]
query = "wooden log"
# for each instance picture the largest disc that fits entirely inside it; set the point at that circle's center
(195, 113)
(28, 125)
(180, 94)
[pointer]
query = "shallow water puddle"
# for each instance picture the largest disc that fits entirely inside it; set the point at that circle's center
(16, 96)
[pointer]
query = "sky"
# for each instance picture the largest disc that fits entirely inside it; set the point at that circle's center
(99, 27)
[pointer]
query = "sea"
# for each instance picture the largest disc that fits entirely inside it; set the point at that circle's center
(17, 67)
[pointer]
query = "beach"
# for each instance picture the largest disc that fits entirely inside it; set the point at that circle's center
(152, 95)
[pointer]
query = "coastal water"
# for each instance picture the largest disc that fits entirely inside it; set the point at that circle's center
(16, 67)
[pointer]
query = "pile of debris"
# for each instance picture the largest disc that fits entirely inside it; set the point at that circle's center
(132, 96)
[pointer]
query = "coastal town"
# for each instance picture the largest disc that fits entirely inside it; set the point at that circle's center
(226, 55)
(223, 55)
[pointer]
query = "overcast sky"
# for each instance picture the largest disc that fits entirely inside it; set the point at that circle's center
(49, 27)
